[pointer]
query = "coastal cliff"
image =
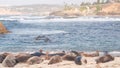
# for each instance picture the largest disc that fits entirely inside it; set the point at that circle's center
(110, 9)
(65, 11)
(88, 10)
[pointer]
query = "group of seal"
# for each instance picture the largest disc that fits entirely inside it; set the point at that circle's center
(10, 60)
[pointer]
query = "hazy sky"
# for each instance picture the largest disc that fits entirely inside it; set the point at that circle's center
(25, 2)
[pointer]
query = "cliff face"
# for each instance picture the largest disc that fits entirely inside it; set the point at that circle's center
(58, 10)
(110, 9)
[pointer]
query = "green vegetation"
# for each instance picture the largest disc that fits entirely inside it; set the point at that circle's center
(98, 8)
(82, 8)
(67, 7)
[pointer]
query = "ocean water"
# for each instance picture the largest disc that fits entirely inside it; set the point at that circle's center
(57, 33)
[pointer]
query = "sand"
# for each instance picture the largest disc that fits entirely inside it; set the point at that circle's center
(70, 64)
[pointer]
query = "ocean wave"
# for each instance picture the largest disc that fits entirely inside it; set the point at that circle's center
(39, 32)
(41, 19)
(87, 19)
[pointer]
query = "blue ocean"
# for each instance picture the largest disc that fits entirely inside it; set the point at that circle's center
(31, 33)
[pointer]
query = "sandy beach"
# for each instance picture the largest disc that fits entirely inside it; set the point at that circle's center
(70, 64)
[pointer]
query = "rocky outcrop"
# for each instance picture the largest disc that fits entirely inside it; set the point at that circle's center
(55, 59)
(3, 29)
(10, 61)
(22, 57)
(34, 60)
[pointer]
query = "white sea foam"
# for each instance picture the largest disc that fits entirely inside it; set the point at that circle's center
(41, 19)
(32, 31)
(69, 19)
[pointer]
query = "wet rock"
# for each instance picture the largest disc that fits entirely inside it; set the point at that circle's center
(9, 61)
(34, 60)
(78, 60)
(22, 57)
(104, 59)
(55, 59)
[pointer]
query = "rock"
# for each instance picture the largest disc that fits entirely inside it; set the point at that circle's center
(9, 61)
(34, 60)
(3, 29)
(78, 60)
(22, 57)
(55, 59)
(104, 59)
(3, 56)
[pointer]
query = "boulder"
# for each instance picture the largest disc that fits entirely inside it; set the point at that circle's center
(22, 57)
(3, 29)
(9, 61)
(55, 59)
(104, 59)
(34, 60)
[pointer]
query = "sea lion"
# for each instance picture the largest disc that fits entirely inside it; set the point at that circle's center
(69, 57)
(34, 60)
(3, 56)
(40, 53)
(90, 55)
(55, 59)
(78, 60)
(48, 56)
(76, 53)
(44, 38)
(22, 57)
(59, 53)
(105, 58)
(9, 61)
